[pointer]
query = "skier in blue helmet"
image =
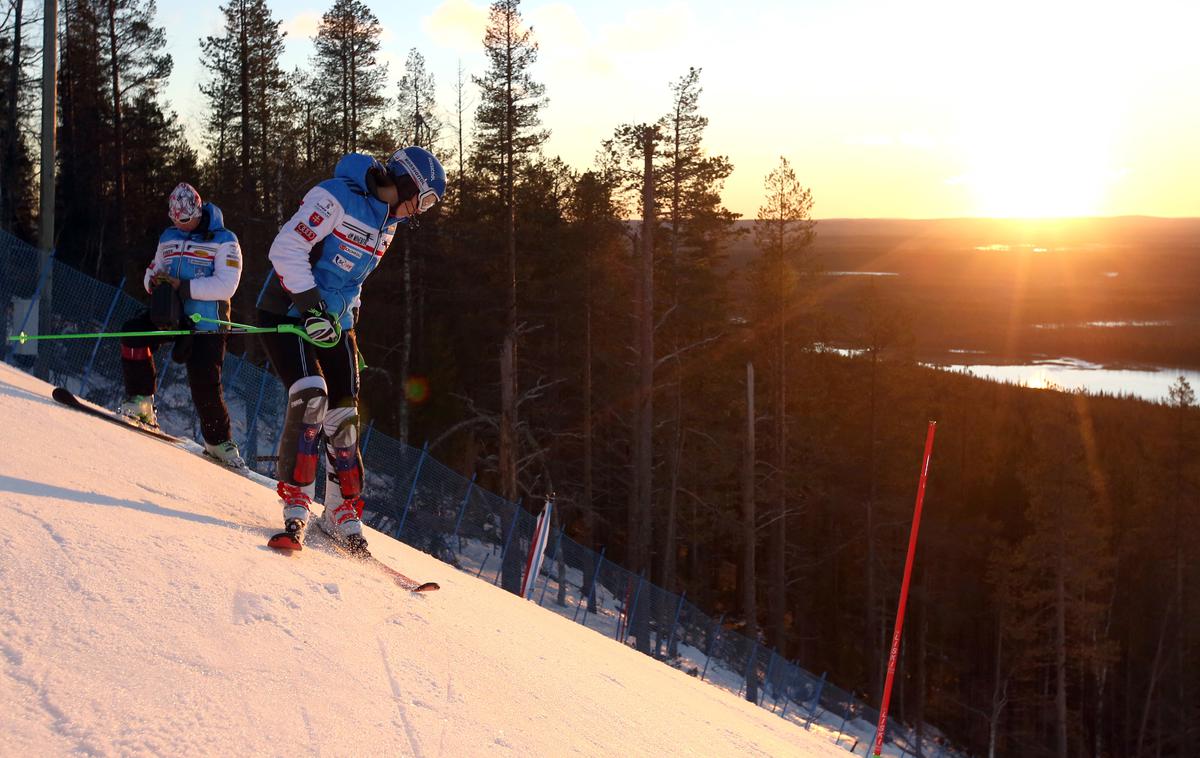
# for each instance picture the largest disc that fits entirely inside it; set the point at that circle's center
(320, 259)
(417, 165)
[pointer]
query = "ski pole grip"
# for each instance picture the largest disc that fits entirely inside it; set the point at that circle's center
(299, 332)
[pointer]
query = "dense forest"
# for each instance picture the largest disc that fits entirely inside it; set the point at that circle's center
(587, 331)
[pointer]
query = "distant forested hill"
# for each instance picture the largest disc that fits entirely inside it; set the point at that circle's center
(987, 283)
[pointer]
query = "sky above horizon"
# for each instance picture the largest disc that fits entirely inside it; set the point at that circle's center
(930, 109)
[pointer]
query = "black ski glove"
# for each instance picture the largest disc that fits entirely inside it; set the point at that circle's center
(320, 325)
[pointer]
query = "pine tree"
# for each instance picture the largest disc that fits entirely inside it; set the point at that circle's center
(1061, 568)
(137, 63)
(105, 209)
(507, 133)
(783, 231)
(350, 81)
(19, 86)
(418, 123)
(599, 238)
(692, 295)
(250, 132)
(245, 85)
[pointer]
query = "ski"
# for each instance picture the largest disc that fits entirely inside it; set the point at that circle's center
(364, 556)
(67, 398)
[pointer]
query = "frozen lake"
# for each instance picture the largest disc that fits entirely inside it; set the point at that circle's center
(1074, 374)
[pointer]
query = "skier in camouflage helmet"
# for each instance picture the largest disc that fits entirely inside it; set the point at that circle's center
(196, 270)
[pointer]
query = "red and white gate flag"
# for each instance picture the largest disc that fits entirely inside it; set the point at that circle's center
(537, 549)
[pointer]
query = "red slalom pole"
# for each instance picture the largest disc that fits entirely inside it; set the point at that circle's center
(908, 564)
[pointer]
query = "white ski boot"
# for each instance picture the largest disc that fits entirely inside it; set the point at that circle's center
(226, 453)
(140, 408)
(296, 508)
(344, 524)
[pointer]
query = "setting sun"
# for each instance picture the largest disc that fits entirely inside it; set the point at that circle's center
(1038, 123)
(1038, 163)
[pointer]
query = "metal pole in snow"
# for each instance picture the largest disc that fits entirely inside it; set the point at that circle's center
(96, 348)
(751, 668)
(762, 692)
(633, 609)
(908, 564)
(712, 640)
(507, 540)
(591, 598)
(812, 711)
(463, 509)
(412, 491)
(675, 623)
(252, 430)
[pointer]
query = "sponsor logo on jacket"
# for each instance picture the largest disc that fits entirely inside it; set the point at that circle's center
(343, 264)
(305, 232)
(357, 234)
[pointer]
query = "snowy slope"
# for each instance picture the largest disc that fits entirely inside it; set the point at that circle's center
(142, 615)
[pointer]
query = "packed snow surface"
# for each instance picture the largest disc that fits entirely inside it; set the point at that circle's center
(142, 614)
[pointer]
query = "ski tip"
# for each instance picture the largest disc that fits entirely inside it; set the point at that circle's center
(285, 541)
(427, 587)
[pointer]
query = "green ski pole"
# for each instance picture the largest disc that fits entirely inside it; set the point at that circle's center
(236, 328)
(281, 329)
(23, 337)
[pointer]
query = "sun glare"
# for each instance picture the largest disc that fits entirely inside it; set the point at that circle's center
(1038, 128)
(1031, 164)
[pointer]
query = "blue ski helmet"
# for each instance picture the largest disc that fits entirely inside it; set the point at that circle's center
(424, 169)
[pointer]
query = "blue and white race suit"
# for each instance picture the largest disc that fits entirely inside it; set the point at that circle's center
(332, 243)
(208, 263)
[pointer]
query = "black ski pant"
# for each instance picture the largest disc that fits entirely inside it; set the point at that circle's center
(322, 385)
(202, 352)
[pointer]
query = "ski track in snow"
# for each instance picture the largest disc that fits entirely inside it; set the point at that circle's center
(398, 698)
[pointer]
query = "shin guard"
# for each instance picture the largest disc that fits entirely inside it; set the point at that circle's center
(341, 429)
(301, 437)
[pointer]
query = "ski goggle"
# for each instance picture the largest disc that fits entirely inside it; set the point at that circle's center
(426, 200)
(427, 197)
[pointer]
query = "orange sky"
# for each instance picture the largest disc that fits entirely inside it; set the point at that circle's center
(929, 108)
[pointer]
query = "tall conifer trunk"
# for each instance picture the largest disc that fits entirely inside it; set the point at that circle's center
(640, 536)
(244, 105)
(749, 574)
(118, 124)
(12, 134)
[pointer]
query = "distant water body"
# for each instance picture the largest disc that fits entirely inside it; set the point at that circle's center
(861, 273)
(1073, 374)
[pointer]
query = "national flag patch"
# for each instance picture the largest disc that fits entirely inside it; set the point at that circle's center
(316, 219)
